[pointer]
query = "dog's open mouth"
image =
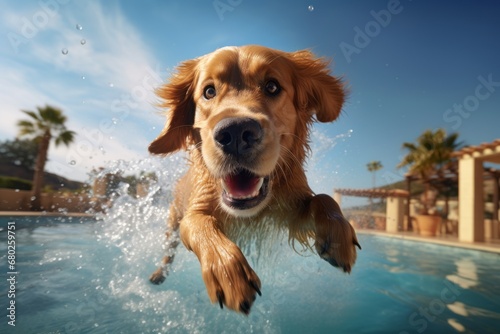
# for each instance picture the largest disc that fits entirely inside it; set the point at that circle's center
(244, 190)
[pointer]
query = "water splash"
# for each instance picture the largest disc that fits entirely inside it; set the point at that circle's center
(321, 170)
(322, 143)
(133, 228)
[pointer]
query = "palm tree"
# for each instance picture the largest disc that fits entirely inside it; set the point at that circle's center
(427, 157)
(42, 127)
(373, 167)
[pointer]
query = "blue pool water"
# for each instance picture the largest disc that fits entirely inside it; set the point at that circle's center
(82, 275)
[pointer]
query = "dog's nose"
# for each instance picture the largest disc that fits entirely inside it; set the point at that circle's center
(237, 135)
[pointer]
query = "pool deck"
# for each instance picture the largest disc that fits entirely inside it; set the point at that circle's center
(43, 213)
(492, 246)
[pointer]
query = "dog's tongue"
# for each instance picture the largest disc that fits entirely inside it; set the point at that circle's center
(244, 184)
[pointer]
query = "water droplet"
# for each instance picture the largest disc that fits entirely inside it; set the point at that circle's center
(83, 77)
(33, 198)
(115, 121)
(72, 162)
(17, 190)
(111, 85)
(310, 8)
(64, 51)
(82, 42)
(79, 27)
(17, 162)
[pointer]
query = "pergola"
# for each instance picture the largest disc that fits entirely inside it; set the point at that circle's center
(470, 188)
(395, 210)
(470, 174)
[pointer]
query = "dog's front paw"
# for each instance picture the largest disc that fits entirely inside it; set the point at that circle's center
(229, 279)
(157, 277)
(336, 240)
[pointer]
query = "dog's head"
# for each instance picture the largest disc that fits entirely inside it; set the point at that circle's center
(248, 109)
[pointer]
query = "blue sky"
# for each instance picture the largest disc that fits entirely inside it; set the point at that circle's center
(410, 65)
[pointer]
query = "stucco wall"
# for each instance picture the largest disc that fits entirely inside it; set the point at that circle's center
(18, 200)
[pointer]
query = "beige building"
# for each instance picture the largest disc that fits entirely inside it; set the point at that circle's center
(470, 189)
(476, 168)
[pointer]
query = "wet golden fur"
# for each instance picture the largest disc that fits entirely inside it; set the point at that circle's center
(239, 74)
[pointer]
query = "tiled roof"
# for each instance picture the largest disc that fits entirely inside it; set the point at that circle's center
(484, 148)
(379, 193)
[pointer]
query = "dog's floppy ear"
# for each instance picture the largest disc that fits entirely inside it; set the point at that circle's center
(316, 89)
(177, 96)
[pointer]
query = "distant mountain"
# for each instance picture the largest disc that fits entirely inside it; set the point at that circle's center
(55, 181)
(416, 187)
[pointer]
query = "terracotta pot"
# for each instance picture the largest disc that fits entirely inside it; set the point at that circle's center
(428, 224)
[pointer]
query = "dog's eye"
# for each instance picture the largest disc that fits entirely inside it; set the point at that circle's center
(272, 88)
(209, 92)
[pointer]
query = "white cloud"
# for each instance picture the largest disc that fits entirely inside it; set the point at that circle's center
(105, 85)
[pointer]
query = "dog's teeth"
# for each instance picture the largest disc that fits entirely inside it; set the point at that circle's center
(255, 193)
(259, 185)
(225, 187)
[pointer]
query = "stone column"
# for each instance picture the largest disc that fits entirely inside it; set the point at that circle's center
(338, 198)
(470, 199)
(395, 213)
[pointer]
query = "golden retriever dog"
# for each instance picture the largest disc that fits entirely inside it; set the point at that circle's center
(243, 114)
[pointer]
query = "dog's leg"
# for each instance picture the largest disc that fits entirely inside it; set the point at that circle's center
(228, 277)
(335, 238)
(158, 276)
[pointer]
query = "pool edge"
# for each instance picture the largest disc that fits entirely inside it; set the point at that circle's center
(484, 247)
(44, 214)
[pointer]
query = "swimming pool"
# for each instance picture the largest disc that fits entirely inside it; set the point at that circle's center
(87, 276)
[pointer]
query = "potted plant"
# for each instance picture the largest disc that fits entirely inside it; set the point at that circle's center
(426, 159)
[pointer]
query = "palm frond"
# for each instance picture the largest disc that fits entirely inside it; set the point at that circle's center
(432, 150)
(66, 137)
(32, 114)
(52, 115)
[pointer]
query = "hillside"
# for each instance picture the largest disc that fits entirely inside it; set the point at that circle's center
(54, 181)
